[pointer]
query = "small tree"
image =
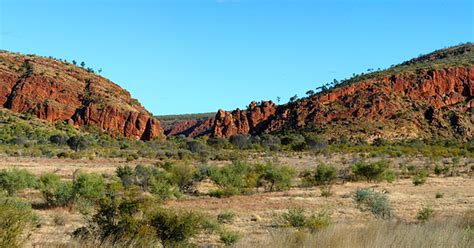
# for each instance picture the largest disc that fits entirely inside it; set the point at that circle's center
(370, 171)
(310, 92)
(325, 176)
(293, 98)
(277, 177)
(240, 141)
(83, 64)
(125, 173)
(78, 143)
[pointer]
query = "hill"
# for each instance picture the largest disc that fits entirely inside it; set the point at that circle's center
(427, 97)
(56, 90)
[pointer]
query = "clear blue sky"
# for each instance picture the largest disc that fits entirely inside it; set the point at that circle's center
(180, 56)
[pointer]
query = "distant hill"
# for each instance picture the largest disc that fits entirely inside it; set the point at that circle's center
(427, 97)
(191, 125)
(57, 90)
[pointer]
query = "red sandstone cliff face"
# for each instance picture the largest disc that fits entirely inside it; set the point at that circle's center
(411, 105)
(58, 91)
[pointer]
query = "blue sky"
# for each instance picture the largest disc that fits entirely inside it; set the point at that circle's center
(185, 56)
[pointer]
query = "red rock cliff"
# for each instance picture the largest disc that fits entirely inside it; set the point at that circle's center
(59, 91)
(405, 105)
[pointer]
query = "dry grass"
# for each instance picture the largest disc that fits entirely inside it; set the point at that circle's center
(254, 214)
(440, 233)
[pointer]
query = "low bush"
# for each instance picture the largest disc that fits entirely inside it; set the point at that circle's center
(298, 218)
(88, 186)
(13, 180)
(420, 177)
(174, 228)
(229, 238)
(16, 220)
(231, 179)
(375, 202)
(294, 217)
(319, 220)
(226, 217)
(182, 176)
(370, 171)
(389, 176)
(55, 192)
(425, 214)
(240, 141)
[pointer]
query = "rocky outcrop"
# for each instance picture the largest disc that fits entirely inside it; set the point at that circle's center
(396, 102)
(58, 91)
(253, 120)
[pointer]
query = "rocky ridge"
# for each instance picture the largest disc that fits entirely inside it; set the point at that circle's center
(54, 90)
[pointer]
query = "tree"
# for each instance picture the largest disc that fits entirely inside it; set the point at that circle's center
(100, 70)
(74, 62)
(78, 143)
(240, 141)
(278, 99)
(83, 64)
(293, 98)
(310, 92)
(325, 176)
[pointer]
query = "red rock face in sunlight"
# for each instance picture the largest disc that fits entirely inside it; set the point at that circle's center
(380, 99)
(57, 91)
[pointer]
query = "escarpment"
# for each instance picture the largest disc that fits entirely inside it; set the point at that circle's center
(427, 97)
(54, 90)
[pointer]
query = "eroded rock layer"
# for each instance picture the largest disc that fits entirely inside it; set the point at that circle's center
(58, 91)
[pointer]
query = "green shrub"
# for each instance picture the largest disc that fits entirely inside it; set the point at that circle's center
(15, 179)
(375, 202)
(319, 220)
(59, 139)
(425, 214)
(88, 186)
(79, 143)
(295, 217)
(56, 192)
(315, 142)
(440, 170)
(173, 228)
(420, 177)
(295, 142)
(16, 220)
(218, 143)
(126, 175)
(389, 176)
(231, 178)
(325, 176)
(121, 217)
(229, 238)
(226, 217)
(277, 178)
(240, 141)
(370, 171)
(182, 176)
(439, 195)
